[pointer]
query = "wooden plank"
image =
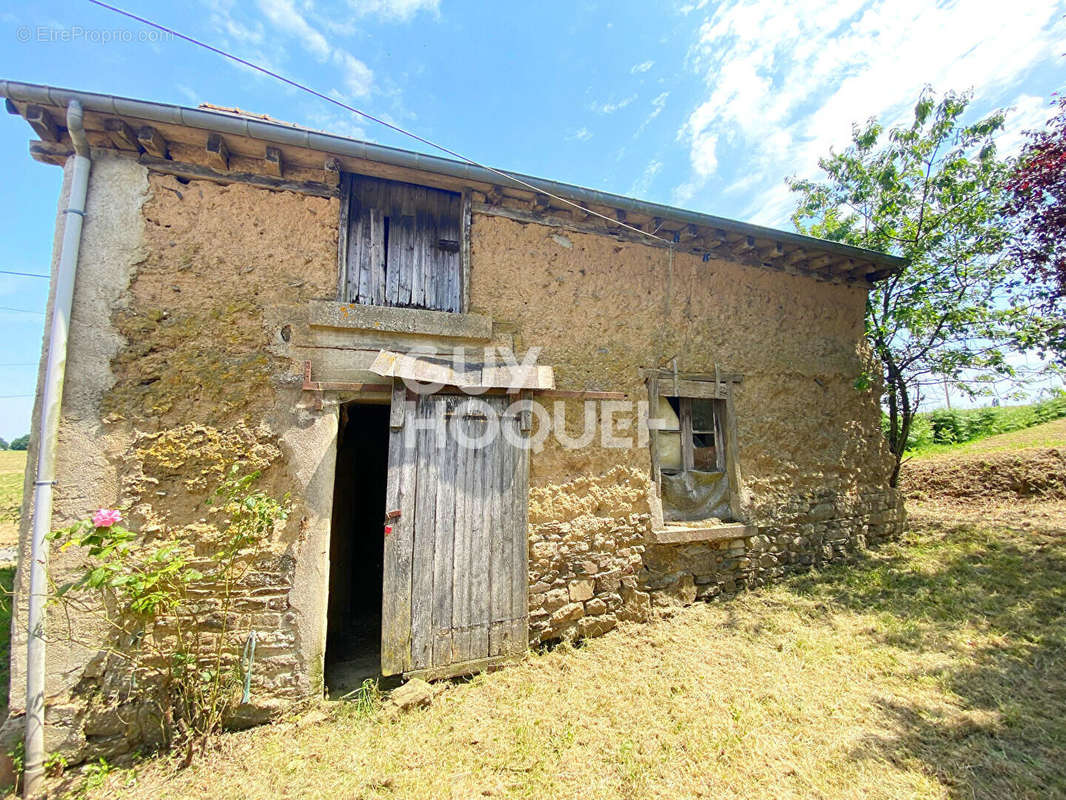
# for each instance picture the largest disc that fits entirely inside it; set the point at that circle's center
(373, 265)
(421, 231)
(42, 123)
(424, 536)
(396, 580)
(377, 264)
(199, 172)
(455, 670)
(687, 455)
(457, 231)
(272, 162)
(342, 239)
(362, 241)
(480, 525)
(399, 404)
(497, 542)
(401, 257)
(461, 557)
(732, 455)
(573, 394)
(152, 142)
(444, 546)
(517, 515)
(333, 169)
(122, 135)
(653, 432)
(346, 386)
(705, 390)
(462, 295)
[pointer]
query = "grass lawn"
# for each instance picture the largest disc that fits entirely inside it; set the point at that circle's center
(930, 668)
(1050, 434)
(12, 467)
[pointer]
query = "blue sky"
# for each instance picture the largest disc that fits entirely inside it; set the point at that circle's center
(701, 104)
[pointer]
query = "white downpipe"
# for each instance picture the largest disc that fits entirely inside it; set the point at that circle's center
(47, 431)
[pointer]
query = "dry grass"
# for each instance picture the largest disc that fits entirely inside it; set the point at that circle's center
(12, 467)
(930, 668)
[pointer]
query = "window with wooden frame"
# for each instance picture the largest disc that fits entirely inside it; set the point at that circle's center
(401, 244)
(693, 447)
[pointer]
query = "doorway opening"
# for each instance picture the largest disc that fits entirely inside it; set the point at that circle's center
(356, 548)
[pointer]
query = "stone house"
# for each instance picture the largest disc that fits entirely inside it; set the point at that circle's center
(451, 371)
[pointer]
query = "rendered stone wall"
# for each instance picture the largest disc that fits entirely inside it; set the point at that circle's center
(813, 465)
(177, 370)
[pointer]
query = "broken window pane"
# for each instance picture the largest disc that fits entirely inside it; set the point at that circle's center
(668, 414)
(668, 451)
(704, 452)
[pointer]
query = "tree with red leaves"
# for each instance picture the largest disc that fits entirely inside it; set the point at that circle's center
(1037, 202)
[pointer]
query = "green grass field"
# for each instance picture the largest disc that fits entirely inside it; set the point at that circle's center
(932, 431)
(1050, 434)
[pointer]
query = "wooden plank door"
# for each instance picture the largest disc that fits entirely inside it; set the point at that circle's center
(455, 583)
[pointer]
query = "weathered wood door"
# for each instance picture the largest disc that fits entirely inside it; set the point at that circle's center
(455, 583)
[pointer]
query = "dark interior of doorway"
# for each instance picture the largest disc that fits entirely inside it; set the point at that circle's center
(356, 549)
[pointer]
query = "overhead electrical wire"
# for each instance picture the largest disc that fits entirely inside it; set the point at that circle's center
(20, 310)
(302, 87)
(24, 274)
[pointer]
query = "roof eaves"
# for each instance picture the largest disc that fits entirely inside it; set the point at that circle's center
(276, 132)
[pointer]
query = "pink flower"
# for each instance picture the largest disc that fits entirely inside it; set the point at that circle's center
(106, 517)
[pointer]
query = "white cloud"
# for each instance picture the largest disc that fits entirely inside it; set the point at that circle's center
(358, 77)
(1028, 113)
(785, 82)
(642, 185)
(286, 19)
(582, 134)
(398, 10)
(643, 66)
(657, 105)
(283, 15)
(611, 107)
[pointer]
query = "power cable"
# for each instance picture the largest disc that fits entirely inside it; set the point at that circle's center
(371, 117)
(24, 274)
(20, 310)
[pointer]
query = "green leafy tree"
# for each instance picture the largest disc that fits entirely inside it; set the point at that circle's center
(933, 192)
(21, 443)
(3, 444)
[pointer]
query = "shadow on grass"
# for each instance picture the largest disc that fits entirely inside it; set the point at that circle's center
(994, 602)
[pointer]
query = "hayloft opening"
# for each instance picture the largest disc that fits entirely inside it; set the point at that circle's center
(356, 551)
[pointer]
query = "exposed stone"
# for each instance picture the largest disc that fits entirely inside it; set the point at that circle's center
(582, 590)
(596, 607)
(567, 613)
(595, 626)
(416, 693)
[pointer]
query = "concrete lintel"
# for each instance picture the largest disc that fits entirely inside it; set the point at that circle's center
(413, 321)
(711, 533)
